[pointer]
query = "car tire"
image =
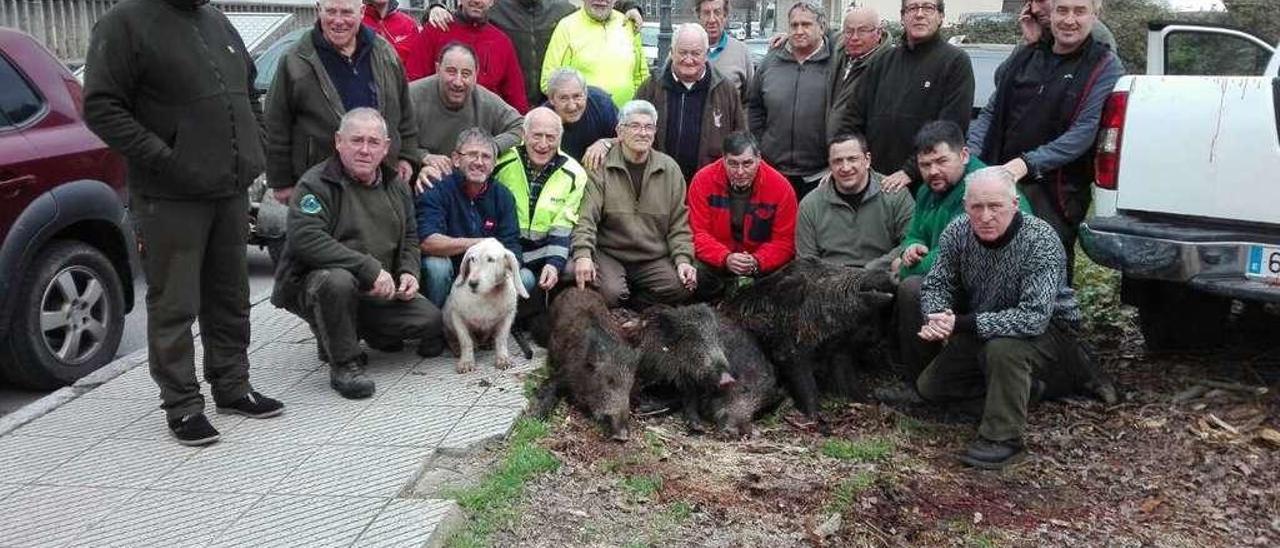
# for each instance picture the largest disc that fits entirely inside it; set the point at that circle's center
(1174, 317)
(70, 317)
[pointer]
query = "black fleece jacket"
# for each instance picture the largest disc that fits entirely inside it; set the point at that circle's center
(169, 85)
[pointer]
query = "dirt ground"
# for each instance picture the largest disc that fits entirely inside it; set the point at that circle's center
(1189, 457)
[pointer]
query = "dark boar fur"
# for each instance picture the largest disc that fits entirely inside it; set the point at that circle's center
(795, 311)
(756, 391)
(680, 348)
(590, 362)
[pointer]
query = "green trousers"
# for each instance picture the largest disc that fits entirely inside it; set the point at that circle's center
(341, 314)
(193, 254)
(998, 374)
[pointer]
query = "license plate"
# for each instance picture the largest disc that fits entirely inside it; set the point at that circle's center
(1264, 262)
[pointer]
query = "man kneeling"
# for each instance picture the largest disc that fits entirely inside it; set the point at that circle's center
(1016, 338)
(350, 264)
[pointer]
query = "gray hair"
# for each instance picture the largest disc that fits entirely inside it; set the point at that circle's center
(812, 7)
(562, 76)
(691, 28)
(358, 4)
(994, 173)
(475, 135)
(1097, 5)
(636, 107)
(361, 114)
(543, 111)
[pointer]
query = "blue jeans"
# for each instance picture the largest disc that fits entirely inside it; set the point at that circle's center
(437, 279)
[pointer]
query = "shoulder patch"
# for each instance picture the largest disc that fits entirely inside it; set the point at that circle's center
(309, 204)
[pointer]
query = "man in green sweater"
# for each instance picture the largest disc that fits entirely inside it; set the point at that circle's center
(169, 86)
(633, 234)
(448, 102)
(350, 266)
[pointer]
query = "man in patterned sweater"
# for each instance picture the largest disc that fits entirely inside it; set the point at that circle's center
(1012, 336)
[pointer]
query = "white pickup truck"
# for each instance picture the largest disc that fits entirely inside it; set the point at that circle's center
(1187, 196)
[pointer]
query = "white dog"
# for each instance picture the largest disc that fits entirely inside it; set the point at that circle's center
(482, 304)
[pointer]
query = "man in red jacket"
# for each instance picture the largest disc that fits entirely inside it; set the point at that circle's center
(743, 215)
(496, 62)
(386, 20)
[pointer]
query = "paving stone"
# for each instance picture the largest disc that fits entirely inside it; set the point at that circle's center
(300, 424)
(337, 470)
(289, 521)
(136, 384)
(120, 463)
(89, 418)
(406, 359)
(406, 522)
(480, 424)
(402, 426)
(168, 519)
(300, 333)
(41, 515)
(236, 468)
(154, 426)
(271, 382)
(24, 459)
(6, 490)
(423, 390)
(280, 355)
(504, 394)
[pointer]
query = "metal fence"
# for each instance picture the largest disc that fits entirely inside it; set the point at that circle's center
(64, 25)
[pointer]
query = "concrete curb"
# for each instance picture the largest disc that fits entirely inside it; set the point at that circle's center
(103, 375)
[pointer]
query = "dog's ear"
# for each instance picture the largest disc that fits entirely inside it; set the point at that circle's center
(513, 274)
(464, 271)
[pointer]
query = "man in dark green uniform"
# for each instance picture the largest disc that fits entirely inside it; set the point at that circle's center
(350, 265)
(169, 86)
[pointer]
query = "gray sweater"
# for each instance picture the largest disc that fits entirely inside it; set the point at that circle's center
(1011, 290)
(438, 127)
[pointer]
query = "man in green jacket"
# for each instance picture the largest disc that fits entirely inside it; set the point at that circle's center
(169, 86)
(848, 220)
(633, 232)
(338, 66)
(350, 265)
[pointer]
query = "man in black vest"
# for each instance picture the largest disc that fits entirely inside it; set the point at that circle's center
(1042, 121)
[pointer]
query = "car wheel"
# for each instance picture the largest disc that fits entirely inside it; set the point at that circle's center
(70, 317)
(1174, 317)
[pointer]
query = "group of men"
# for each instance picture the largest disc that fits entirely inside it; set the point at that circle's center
(398, 148)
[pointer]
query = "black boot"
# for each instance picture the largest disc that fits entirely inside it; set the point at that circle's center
(992, 455)
(349, 380)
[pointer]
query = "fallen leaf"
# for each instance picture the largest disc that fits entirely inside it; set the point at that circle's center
(1150, 504)
(1269, 435)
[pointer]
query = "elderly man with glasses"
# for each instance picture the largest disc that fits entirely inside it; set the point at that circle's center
(862, 40)
(633, 231)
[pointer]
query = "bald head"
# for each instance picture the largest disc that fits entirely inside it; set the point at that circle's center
(862, 31)
(542, 117)
(542, 132)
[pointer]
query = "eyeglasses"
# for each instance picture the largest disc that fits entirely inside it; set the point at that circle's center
(927, 9)
(636, 126)
(474, 155)
(862, 31)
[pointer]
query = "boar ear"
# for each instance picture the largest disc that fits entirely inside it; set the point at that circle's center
(875, 299)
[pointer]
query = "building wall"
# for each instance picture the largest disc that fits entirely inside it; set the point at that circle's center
(889, 9)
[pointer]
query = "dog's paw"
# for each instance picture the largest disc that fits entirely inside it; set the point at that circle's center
(502, 361)
(465, 366)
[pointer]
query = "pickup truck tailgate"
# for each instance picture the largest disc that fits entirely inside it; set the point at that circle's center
(1217, 139)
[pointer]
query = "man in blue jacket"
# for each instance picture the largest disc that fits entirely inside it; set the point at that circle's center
(463, 208)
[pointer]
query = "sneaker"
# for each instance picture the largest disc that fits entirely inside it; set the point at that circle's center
(252, 405)
(193, 429)
(349, 380)
(992, 455)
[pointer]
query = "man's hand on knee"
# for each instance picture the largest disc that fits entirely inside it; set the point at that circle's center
(584, 271)
(384, 287)
(688, 276)
(549, 277)
(408, 287)
(938, 326)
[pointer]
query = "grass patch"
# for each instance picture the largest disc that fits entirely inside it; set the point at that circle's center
(860, 450)
(679, 511)
(843, 496)
(642, 486)
(911, 426)
(655, 444)
(534, 381)
(492, 503)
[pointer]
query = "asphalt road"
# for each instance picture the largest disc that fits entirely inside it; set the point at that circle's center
(135, 325)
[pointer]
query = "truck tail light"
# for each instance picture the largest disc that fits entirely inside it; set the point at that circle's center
(1110, 134)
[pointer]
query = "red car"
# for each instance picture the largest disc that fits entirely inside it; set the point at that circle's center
(65, 277)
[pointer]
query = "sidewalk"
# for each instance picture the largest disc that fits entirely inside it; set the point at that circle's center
(101, 470)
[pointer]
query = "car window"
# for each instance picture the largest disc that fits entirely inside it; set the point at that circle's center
(18, 100)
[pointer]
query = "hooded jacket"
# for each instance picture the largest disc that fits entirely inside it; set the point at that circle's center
(169, 85)
(722, 114)
(787, 110)
(304, 109)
